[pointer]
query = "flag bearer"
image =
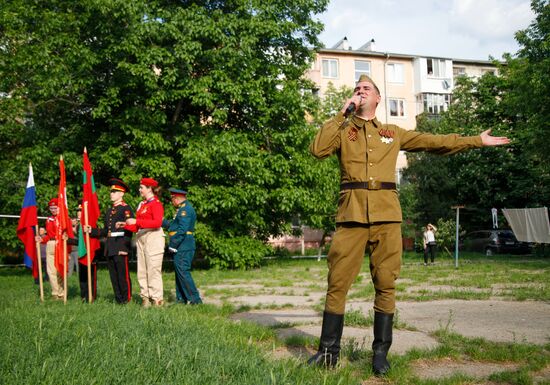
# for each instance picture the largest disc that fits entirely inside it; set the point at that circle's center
(117, 245)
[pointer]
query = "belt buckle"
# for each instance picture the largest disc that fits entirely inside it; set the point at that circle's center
(374, 185)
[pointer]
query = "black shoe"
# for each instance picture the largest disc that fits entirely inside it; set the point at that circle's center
(329, 345)
(383, 324)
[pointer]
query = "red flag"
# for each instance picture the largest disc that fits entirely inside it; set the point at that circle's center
(89, 195)
(65, 225)
(28, 220)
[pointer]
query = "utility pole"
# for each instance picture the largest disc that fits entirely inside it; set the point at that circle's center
(456, 236)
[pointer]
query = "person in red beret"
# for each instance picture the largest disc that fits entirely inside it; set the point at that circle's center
(56, 281)
(149, 242)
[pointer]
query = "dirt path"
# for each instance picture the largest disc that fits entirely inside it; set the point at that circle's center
(494, 320)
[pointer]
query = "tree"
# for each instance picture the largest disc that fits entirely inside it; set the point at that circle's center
(204, 95)
(479, 179)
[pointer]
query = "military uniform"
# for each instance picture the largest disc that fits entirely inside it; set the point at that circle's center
(368, 207)
(150, 247)
(56, 280)
(368, 218)
(117, 249)
(182, 244)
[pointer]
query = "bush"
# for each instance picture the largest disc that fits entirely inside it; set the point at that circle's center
(230, 253)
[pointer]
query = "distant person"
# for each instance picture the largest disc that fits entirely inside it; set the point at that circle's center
(429, 243)
(150, 243)
(182, 244)
(369, 216)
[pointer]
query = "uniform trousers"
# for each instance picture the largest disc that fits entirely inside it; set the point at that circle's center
(346, 255)
(120, 277)
(150, 250)
(83, 280)
(56, 280)
(186, 290)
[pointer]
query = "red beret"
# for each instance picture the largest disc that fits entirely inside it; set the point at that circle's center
(149, 182)
(53, 202)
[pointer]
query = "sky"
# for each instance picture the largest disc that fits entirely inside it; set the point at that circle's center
(457, 29)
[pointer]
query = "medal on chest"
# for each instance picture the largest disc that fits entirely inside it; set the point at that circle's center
(352, 134)
(386, 136)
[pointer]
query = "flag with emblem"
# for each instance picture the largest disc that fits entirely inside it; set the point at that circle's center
(28, 221)
(64, 221)
(89, 196)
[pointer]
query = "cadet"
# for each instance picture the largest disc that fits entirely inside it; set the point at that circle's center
(83, 261)
(52, 224)
(149, 243)
(118, 241)
(369, 213)
(182, 244)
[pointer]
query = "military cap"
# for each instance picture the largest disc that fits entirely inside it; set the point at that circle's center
(175, 191)
(53, 202)
(366, 78)
(117, 184)
(149, 182)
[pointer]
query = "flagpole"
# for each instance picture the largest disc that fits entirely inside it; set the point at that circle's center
(88, 259)
(66, 268)
(39, 260)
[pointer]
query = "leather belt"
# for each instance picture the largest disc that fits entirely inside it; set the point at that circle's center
(370, 185)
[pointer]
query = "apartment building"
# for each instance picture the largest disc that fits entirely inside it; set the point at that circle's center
(409, 84)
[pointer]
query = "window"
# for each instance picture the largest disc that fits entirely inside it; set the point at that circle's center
(330, 68)
(436, 103)
(362, 67)
(436, 68)
(397, 107)
(394, 72)
(459, 71)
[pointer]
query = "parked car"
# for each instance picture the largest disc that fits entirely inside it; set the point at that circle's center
(492, 242)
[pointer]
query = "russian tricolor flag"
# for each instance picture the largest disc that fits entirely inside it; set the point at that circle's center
(27, 224)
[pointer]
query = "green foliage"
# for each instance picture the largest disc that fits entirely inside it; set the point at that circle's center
(236, 252)
(479, 179)
(207, 96)
(446, 234)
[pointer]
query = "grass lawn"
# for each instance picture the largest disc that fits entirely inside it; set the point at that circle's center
(105, 343)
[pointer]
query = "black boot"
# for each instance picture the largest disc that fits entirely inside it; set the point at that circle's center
(329, 346)
(382, 342)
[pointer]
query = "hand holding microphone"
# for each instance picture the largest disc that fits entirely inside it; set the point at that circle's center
(353, 104)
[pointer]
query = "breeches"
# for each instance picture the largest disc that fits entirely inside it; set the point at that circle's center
(150, 250)
(346, 255)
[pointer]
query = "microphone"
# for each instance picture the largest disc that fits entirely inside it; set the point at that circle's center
(350, 109)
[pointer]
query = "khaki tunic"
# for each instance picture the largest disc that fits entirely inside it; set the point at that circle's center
(368, 158)
(368, 218)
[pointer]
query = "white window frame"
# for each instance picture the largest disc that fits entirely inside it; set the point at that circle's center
(359, 72)
(395, 73)
(438, 66)
(435, 104)
(332, 68)
(400, 111)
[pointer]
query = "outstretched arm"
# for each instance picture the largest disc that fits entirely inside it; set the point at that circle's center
(489, 140)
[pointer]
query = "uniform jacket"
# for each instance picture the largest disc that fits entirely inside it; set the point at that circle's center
(367, 152)
(182, 228)
(115, 244)
(149, 215)
(51, 229)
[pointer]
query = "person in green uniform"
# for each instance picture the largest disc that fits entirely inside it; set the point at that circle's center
(369, 214)
(182, 245)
